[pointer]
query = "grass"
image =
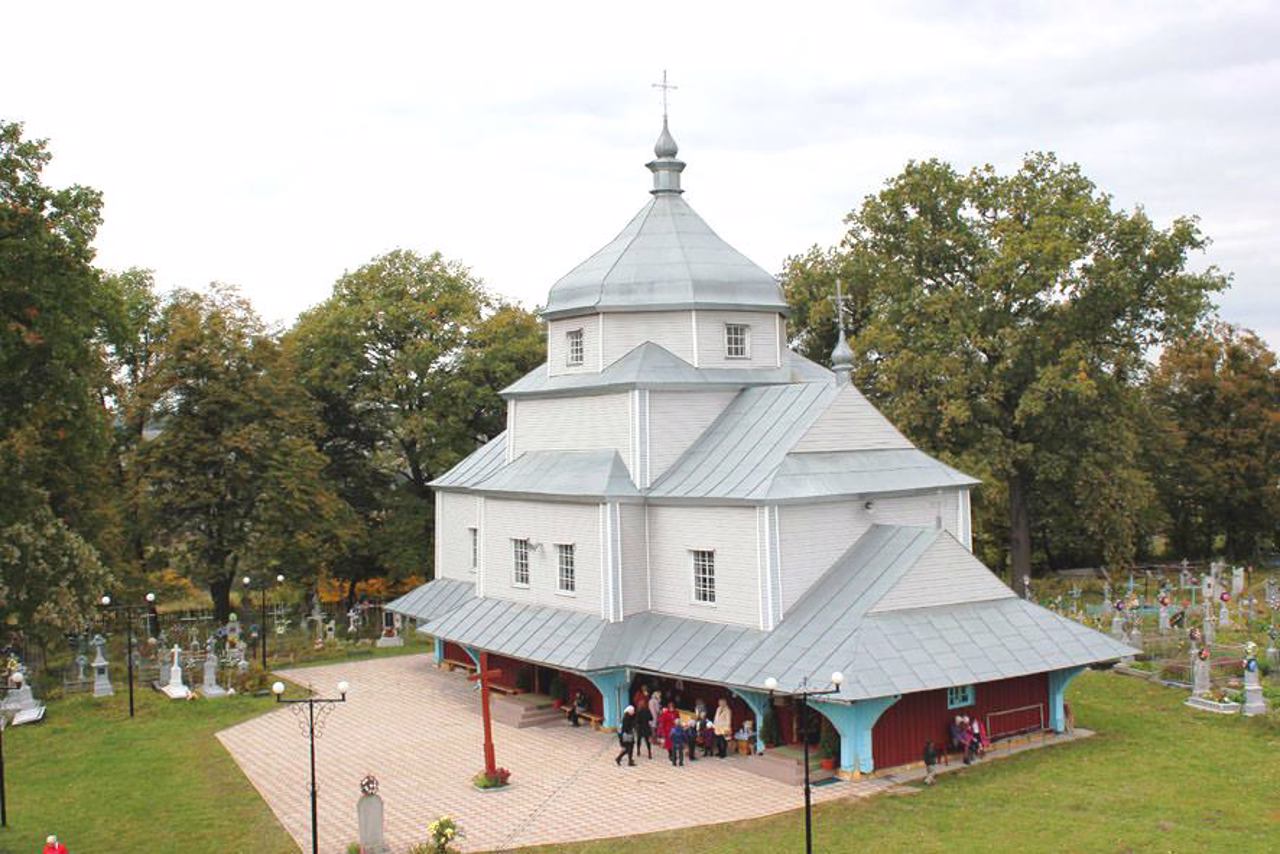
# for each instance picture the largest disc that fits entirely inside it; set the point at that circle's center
(161, 782)
(1157, 777)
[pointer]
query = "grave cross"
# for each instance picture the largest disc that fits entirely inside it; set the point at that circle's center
(483, 676)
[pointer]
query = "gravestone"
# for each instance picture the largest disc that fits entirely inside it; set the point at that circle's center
(235, 644)
(390, 630)
(1224, 613)
(330, 631)
(1273, 654)
(174, 689)
(353, 620)
(1117, 622)
(1200, 683)
(209, 686)
(1237, 581)
(1164, 614)
(1255, 702)
(101, 681)
(369, 817)
(20, 702)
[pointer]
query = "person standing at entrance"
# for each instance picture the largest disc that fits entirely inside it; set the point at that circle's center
(627, 735)
(644, 730)
(655, 713)
(723, 727)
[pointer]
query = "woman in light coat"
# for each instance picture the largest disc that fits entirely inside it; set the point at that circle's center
(724, 727)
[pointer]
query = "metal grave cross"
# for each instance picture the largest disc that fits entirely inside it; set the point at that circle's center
(483, 675)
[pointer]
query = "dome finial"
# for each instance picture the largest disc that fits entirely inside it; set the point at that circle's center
(665, 167)
(842, 355)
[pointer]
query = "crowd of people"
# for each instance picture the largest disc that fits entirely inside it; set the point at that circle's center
(969, 737)
(650, 720)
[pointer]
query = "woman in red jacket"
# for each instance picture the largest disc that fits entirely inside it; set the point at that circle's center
(666, 722)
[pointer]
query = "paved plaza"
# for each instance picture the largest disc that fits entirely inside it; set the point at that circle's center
(418, 730)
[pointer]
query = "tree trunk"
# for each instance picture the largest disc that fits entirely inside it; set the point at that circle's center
(220, 590)
(1019, 529)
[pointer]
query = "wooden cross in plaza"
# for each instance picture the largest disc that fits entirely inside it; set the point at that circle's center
(483, 676)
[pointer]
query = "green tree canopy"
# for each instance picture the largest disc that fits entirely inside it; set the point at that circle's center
(1217, 394)
(404, 361)
(1002, 322)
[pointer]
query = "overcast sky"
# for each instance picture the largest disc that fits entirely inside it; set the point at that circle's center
(275, 145)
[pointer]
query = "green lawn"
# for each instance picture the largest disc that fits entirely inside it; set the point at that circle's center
(1158, 777)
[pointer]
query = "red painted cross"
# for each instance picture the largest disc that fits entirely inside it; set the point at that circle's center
(484, 675)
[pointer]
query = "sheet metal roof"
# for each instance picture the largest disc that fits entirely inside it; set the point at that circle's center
(829, 473)
(829, 629)
(652, 366)
(597, 473)
(477, 466)
(667, 257)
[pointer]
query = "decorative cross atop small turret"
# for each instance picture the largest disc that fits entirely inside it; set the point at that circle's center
(665, 167)
(842, 355)
(665, 87)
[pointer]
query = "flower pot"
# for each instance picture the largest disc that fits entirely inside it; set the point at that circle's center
(828, 764)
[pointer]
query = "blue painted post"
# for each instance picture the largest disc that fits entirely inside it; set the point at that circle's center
(759, 703)
(438, 650)
(1058, 682)
(854, 722)
(475, 656)
(612, 685)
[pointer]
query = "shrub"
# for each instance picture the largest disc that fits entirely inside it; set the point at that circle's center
(354, 848)
(769, 727)
(829, 744)
(484, 781)
(443, 832)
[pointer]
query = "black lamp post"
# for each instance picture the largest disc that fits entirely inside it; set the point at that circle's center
(803, 695)
(313, 719)
(4, 723)
(262, 626)
(129, 612)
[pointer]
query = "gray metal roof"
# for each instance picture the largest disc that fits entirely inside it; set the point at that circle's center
(829, 629)
(597, 473)
(478, 465)
(652, 366)
(433, 598)
(667, 257)
(810, 475)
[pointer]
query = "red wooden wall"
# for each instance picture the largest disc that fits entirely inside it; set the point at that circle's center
(899, 736)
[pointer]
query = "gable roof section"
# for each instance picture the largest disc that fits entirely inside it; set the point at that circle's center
(597, 473)
(842, 623)
(652, 366)
(815, 475)
(851, 423)
(945, 574)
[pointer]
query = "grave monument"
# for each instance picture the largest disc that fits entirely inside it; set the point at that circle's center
(174, 689)
(209, 686)
(101, 681)
(369, 817)
(1255, 702)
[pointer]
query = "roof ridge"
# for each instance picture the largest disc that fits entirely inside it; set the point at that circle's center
(635, 235)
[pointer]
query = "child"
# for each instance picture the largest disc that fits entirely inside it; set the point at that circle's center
(708, 738)
(675, 743)
(692, 731)
(930, 762)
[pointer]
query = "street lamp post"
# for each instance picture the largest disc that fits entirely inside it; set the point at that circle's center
(4, 721)
(326, 705)
(805, 692)
(129, 612)
(262, 626)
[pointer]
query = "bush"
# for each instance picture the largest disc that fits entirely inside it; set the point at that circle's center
(354, 848)
(443, 831)
(769, 727)
(829, 744)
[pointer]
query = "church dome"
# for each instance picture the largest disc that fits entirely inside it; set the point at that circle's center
(667, 258)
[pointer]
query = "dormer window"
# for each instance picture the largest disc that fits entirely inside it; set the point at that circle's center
(575, 354)
(737, 341)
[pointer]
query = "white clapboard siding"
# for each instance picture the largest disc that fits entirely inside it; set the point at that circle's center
(635, 571)
(728, 531)
(851, 423)
(763, 349)
(946, 574)
(558, 345)
(676, 419)
(626, 330)
(585, 423)
(813, 536)
(546, 523)
(457, 513)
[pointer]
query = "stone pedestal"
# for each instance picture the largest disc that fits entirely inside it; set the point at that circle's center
(1255, 703)
(369, 817)
(209, 687)
(101, 680)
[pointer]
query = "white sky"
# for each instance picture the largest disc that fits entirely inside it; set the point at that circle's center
(274, 145)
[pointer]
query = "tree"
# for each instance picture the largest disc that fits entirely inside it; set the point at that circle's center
(57, 515)
(404, 361)
(232, 480)
(1002, 322)
(1217, 393)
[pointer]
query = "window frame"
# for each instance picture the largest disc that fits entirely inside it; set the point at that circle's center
(746, 341)
(519, 555)
(575, 348)
(703, 594)
(563, 550)
(961, 696)
(475, 546)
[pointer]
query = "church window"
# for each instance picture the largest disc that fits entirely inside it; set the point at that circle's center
(737, 340)
(567, 581)
(576, 354)
(520, 568)
(475, 547)
(704, 577)
(959, 696)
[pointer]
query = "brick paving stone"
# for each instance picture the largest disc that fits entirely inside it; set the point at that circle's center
(418, 730)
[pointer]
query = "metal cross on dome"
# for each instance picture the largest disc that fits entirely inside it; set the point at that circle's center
(665, 87)
(839, 301)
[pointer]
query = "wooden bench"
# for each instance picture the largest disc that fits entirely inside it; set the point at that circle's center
(595, 720)
(503, 689)
(450, 665)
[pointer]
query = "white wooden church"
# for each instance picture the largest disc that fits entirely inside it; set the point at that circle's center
(679, 499)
